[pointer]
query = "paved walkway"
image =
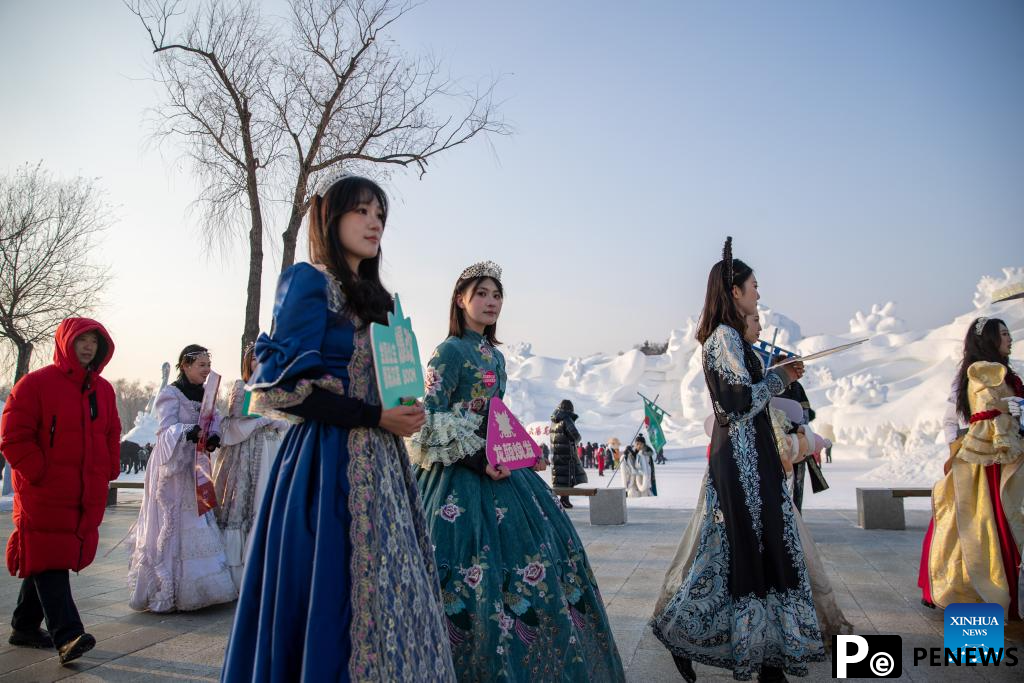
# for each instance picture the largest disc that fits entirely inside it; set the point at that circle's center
(875, 575)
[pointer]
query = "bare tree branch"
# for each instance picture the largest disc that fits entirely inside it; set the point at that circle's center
(264, 106)
(49, 229)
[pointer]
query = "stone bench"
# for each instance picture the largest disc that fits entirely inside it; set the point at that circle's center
(882, 508)
(115, 485)
(608, 506)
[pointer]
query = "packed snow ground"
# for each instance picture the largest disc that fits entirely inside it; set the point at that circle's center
(679, 482)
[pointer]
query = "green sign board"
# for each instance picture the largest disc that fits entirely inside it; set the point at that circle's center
(396, 359)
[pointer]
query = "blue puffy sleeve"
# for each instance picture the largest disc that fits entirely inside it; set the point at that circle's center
(290, 363)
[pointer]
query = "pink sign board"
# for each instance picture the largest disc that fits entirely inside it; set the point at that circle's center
(508, 444)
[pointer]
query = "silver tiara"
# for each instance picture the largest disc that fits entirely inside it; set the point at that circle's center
(979, 326)
(483, 269)
(328, 180)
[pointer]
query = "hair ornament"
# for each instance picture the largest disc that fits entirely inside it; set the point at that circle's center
(330, 179)
(727, 258)
(193, 355)
(979, 326)
(483, 269)
(251, 346)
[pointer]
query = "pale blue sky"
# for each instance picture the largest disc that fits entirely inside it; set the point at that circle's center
(857, 151)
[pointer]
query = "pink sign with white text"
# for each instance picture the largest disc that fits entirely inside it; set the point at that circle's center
(508, 443)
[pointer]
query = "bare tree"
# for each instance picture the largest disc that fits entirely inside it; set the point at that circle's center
(266, 105)
(345, 95)
(132, 397)
(214, 75)
(46, 275)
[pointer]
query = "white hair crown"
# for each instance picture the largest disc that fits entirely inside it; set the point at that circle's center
(483, 269)
(330, 179)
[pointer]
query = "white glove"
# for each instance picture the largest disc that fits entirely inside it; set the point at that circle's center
(1014, 404)
(1014, 407)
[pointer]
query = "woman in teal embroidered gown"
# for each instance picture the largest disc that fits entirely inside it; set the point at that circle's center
(520, 600)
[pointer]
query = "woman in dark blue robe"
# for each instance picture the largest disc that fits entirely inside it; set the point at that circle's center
(745, 601)
(340, 581)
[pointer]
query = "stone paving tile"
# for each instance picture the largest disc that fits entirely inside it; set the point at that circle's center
(874, 575)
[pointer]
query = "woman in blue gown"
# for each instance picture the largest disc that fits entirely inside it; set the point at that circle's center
(520, 599)
(340, 582)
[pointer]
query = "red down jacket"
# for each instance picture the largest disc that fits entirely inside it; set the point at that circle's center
(61, 433)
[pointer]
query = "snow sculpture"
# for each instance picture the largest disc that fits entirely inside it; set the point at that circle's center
(857, 390)
(879, 321)
(988, 285)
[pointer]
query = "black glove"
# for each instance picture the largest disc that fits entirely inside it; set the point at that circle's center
(478, 461)
(213, 443)
(193, 434)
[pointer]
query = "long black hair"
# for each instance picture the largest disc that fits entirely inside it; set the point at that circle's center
(979, 347)
(365, 295)
(719, 306)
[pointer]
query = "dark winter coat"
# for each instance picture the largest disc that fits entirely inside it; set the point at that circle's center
(565, 465)
(60, 432)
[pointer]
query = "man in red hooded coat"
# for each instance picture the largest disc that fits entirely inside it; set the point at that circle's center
(61, 434)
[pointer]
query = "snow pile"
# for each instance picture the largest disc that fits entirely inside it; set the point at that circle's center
(988, 286)
(879, 321)
(884, 400)
(144, 431)
(913, 467)
(862, 389)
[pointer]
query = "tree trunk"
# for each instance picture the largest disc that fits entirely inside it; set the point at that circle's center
(291, 233)
(24, 358)
(253, 287)
(255, 281)
(289, 237)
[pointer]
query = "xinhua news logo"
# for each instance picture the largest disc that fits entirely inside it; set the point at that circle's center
(867, 656)
(972, 636)
(973, 629)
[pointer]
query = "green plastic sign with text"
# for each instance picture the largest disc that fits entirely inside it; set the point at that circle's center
(396, 359)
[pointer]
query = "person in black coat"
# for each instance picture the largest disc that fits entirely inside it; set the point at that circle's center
(795, 392)
(566, 469)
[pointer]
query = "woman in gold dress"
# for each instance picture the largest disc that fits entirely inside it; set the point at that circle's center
(972, 549)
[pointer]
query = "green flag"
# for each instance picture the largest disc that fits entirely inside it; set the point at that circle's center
(652, 420)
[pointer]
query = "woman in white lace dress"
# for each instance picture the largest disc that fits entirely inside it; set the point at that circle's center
(240, 472)
(177, 556)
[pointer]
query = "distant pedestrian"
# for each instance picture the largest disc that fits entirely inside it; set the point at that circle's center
(566, 471)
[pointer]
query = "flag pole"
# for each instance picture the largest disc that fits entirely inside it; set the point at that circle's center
(633, 440)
